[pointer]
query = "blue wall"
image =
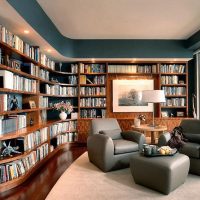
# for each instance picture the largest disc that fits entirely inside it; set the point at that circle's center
(31, 11)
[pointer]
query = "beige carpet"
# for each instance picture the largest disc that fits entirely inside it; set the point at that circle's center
(83, 181)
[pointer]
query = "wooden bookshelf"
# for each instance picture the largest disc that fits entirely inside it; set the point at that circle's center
(10, 55)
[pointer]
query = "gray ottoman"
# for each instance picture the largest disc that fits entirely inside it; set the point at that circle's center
(164, 173)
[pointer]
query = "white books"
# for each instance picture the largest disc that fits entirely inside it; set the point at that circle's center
(7, 79)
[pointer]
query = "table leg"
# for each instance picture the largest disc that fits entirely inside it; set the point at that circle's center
(153, 141)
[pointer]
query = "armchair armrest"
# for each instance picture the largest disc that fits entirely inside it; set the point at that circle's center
(101, 151)
(134, 136)
(163, 139)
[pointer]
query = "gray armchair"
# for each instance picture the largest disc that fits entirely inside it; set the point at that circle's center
(191, 130)
(109, 148)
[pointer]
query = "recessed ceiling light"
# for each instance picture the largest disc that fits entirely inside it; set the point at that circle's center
(48, 50)
(93, 60)
(26, 31)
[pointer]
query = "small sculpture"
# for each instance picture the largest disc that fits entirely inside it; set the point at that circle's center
(31, 122)
(8, 150)
(14, 103)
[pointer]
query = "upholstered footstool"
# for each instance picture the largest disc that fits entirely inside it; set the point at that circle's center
(163, 173)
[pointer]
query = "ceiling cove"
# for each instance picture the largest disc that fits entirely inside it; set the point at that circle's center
(101, 48)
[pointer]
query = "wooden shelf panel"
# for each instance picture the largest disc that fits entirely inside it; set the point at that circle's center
(87, 96)
(66, 73)
(16, 91)
(93, 85)
(134, 74)
(173, 73)
(19, 111)
(176, 85)
(94, 74)
(51, 95)
(89, 107)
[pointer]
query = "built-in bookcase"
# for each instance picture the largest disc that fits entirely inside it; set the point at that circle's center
(30, 83)
(92, 90)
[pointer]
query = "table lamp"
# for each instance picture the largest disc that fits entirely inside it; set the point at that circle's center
(153, 96)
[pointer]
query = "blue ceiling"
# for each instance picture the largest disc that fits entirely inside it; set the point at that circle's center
(32, 12)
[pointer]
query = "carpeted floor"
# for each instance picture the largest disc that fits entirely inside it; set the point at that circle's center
(84, 181)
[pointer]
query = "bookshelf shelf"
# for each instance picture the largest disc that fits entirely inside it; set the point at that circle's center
(16, 91)
(92, 85)
(19, 111)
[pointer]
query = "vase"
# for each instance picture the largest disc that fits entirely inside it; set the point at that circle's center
(136, 122)
(63, 115)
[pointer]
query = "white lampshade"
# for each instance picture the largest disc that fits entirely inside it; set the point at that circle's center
(153, 96)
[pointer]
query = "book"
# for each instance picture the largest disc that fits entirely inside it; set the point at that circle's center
(7, 79)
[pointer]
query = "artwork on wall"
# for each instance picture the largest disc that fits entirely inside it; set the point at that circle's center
(127, 95)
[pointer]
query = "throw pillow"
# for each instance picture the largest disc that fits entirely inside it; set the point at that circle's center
(114, 134)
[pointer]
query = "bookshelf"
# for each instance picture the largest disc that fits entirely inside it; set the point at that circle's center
(174, 81)
(88, 86)
(30, 84)
(92, 90)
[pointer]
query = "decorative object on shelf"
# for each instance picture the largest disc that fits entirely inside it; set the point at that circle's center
(31, 122)
(193, 106)
(153, 96)
(32, 104)
(164, 114)
(127, 95)
(8, 150)
(60, 66)
(64, 108)
(139, 119)
(54, 80)
(14, 103)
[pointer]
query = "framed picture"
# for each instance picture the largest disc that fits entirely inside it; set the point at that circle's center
(180, 114)
(32, 104)
(164, 114)
(127, 95)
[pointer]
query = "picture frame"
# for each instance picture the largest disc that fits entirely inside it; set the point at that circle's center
(32, 104)
(179, 114)
(164, 114)
(127, 95)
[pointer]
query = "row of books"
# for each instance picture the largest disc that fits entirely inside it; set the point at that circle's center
(31, 51)
(171, 80)
(84, 79)
(67, 137)
(12, 123)
(43, 102)
(175, 102)
(92, 68)
(15, 169)
(36, 138)
(73, 80)
(14, 41)
(74, 68)
(61, 90)
(172, 68)
(44, 60)
(63, 127)
(11, 81)
(174, 90)
(92, 91)
(92, 113)
(93, 102)
(132, 69)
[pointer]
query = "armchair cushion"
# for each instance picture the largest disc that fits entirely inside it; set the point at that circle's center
(124, 146)
(192, 137)
(114, 134)
(191, 150)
